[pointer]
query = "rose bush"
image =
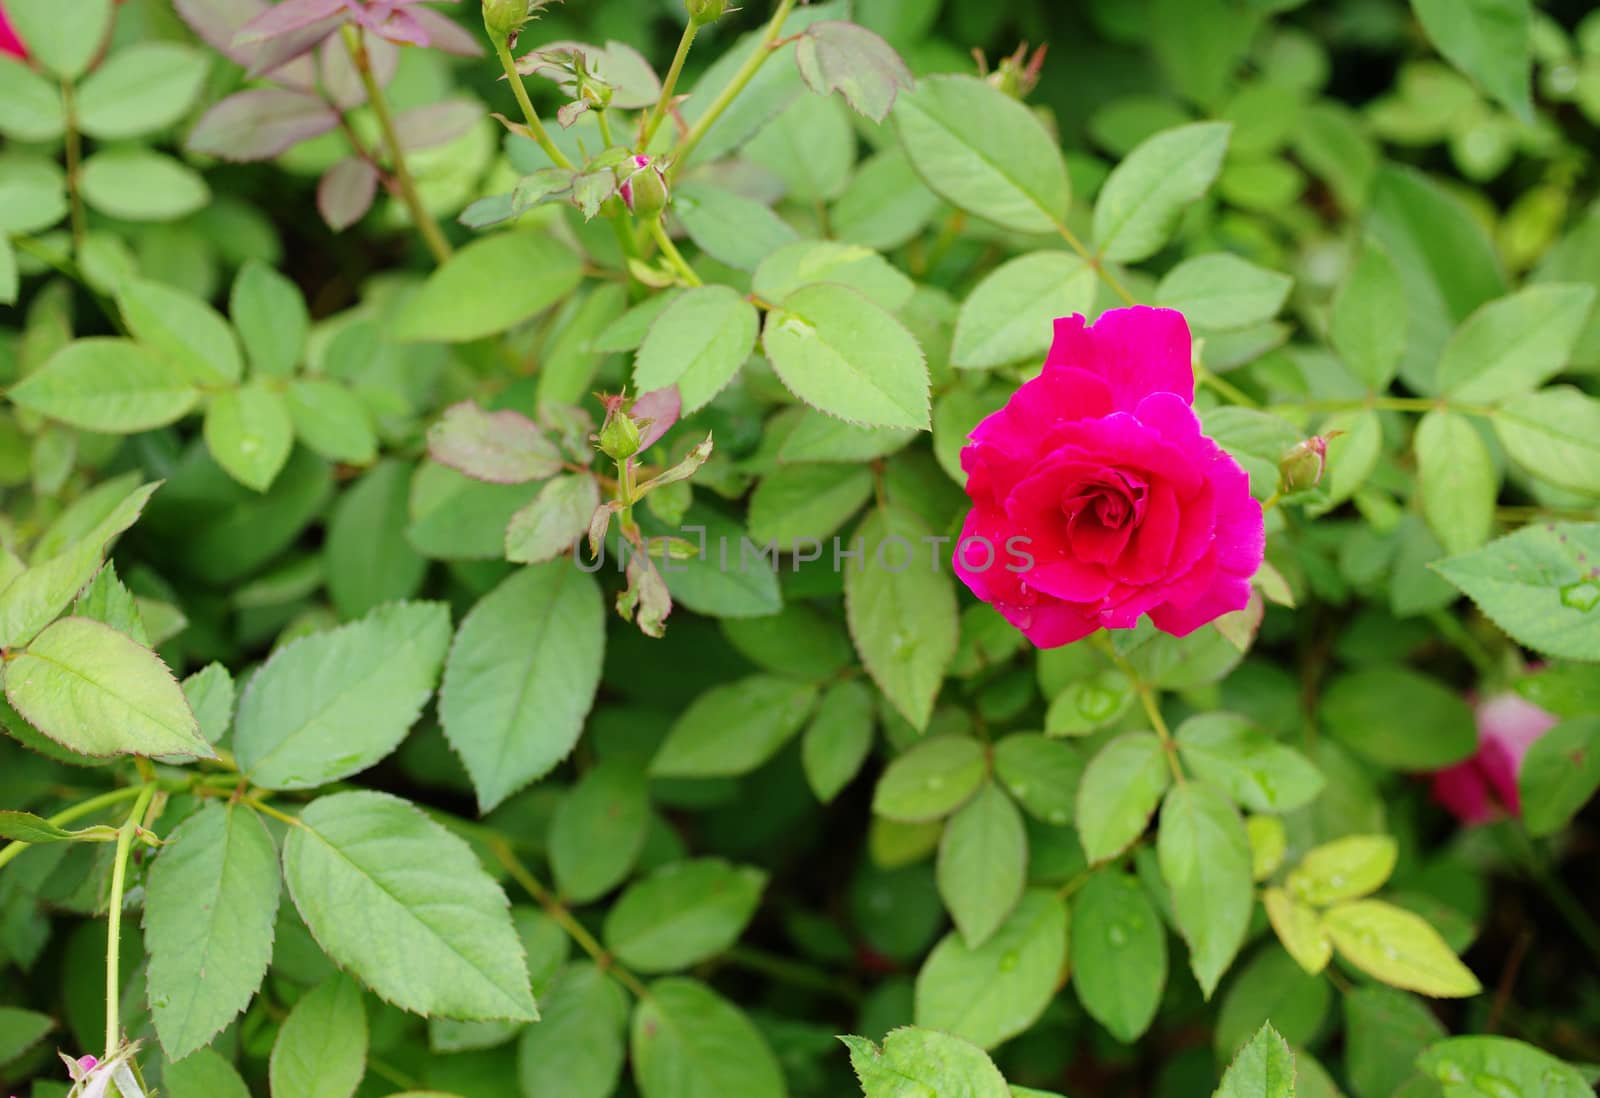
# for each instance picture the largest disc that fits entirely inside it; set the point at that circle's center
(626, 549)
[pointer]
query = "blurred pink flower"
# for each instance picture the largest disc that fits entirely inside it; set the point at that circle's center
(1474, 790)
(9, 42)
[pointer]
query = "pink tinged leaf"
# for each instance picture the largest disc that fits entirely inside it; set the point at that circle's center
(218, 22)
(446, 34)
(345, 192)
(436, 123)
(287, 18)
(662, 408)
(503, 447)
(273, 55)
(851, 60)
(340, 80)
(260, 124)
(400, 27)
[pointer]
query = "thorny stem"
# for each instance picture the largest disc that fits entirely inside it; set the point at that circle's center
(674, 257)
(563, 918)
(668, 85)
(529, 115)
(119, 871)
(404, 183)
(74, 144)
(1147, 698)
(747, 72)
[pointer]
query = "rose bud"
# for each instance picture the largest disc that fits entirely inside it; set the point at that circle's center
(619, 435)
(1302, 467)
(702, 12)
(644, 191)
(1476, 790)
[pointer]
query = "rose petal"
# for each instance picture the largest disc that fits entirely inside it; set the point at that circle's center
(1136, 351)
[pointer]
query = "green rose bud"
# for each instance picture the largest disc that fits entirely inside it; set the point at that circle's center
(619, 435)
(1301, 468)
(702, 12)
(503, 18)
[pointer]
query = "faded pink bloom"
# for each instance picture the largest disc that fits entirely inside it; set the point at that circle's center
(9, 42)
(1097, 470)
(1476, 790)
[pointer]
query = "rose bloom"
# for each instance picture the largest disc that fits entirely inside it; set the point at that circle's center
(1473, 791)
(1098, 470)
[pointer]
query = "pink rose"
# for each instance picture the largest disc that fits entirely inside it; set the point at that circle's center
(1508, 724)
(9, 42)
(1097, 499)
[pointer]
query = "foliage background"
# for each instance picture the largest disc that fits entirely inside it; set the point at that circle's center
(1380, 194)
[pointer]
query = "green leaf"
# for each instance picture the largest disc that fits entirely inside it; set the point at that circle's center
(1119, 953)
(1559, 774)
(1205, 861)
(810, 146)
(10, 278)
(202, 1074)
(690, 1042)
(729, 227)
(454, 517)
(135, 184)
(66, 47)
(1555, 435)
(334, 703)
(1344, 869)
(1119, 791)
(1300, 930)
(984, 151)
(733, 728)
(576, 1049)
(1477, 1067)
(271, 317)
(845, 356)
(1222, 291)
(932, 779)
(25, 827)
(838, 739)
(1139, 205)
(32, 600)
(808, 262)
(1385, 1032)
(1391, 944)
(1514, 344)
(731, 578)
(834, 55)
(33, 194)
(181, 328)
(504, 447)
(915, 1063)
(249, 432)
(96, 692)
(554, 522)
(1489, 41)
(20, 1030)
(331, 420)
(434, 936)
(109, 385)
(599, 829)
(683, 913)
(1272, 988)
(1254, 769)
(368, 560)
(321, 1050)
(522, 676)
(697, 344)
(140, 89)
(210, 906)
(1263, 1069)
(1537, 584)
(990, 993)
(983, 864)
(1041, 773)
(901, 612)
(1007, 317)
(1399, 719)
(30, 106)
(885, 205)
(210, 693)
(489, 286)
(1370, 317)
(795, 505)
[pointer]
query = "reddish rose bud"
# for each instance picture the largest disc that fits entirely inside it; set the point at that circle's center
(1302, 467)
(644, 189)
(9, 42)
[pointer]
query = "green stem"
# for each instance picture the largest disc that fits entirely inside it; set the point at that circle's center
(119, 879)
(1226, 388)
(564, 918)
(74, 149)
(77, 811)
(529, 115)
(1459, 635)
(603, 121)
(725, 98)
(1147, 698)
(668, 85)
(791, 972)
(1094, 261)
(659, 234)
(404, 183)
